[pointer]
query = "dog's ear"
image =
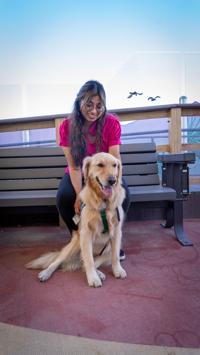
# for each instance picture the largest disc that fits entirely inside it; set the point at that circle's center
(119, 165)
(86, 165)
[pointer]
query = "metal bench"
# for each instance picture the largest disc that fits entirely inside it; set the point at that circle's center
(30, 176)
(140, 170)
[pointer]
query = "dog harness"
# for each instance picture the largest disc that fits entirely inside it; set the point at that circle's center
(105, 225)
(104, 218)
(104, 221)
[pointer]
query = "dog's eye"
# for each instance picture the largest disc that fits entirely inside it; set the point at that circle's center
(114, 165)
(100, 165)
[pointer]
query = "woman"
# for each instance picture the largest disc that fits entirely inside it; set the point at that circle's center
(88, 129)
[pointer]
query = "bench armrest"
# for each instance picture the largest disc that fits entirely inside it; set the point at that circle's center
(175, 171)
(178, 158)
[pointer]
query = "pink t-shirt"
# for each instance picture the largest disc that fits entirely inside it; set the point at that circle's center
(111, 135)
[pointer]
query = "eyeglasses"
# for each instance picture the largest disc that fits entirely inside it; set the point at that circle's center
(90, 107)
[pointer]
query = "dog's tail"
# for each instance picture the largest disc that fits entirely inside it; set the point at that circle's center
(43, 261)
(73, 264)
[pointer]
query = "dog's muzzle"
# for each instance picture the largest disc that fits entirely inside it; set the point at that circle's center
(107, 189)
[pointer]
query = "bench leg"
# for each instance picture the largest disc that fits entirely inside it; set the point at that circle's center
(178, 224)
(169, 217)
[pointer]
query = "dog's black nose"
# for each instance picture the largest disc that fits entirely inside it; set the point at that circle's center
(111, 180)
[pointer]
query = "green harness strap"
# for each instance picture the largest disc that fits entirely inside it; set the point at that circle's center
(104, 221)
(104, 218)
(105, 225)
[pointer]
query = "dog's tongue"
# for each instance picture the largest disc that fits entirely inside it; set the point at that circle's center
(107, 190)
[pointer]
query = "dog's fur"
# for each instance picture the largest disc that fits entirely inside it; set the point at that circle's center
(102, 174)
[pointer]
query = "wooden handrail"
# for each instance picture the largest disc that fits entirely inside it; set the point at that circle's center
(173, 112)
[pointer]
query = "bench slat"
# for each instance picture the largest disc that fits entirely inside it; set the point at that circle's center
(152, 193)
(135, 180)
(28, 198)
(31, 173)
(32, 161)
(31, 151)
(140, 169)
(29, 184)
(138, 147)
(134, 158)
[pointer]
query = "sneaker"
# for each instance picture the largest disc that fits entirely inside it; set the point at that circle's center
(122, 255)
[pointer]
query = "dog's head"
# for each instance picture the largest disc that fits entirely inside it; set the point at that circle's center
(103, 173)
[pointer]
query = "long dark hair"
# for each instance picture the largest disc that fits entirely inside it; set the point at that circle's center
(77, 139)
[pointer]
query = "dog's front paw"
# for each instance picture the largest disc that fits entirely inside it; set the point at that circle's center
(44, 275)
(94, 280)
(101, 275)
(119, 273)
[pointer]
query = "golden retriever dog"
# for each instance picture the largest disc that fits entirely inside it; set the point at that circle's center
(98, 238)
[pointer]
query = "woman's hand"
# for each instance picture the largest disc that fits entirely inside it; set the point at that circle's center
(77, 205)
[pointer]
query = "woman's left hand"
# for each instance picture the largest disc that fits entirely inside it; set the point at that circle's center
(77, 205)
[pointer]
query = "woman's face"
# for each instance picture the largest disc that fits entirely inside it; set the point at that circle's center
(92, 108)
